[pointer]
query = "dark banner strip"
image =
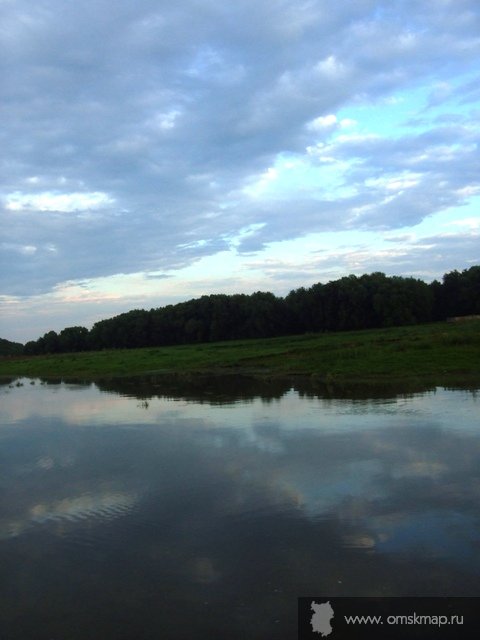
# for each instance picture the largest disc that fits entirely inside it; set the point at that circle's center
(408, 618)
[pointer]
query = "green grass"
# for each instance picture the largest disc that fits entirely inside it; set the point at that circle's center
(434, 351)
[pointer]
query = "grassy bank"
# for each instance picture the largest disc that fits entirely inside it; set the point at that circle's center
(435, 351)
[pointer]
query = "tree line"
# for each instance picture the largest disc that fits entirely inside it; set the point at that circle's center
(352, 302)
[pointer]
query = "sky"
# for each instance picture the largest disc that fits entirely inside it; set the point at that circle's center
(153, 151)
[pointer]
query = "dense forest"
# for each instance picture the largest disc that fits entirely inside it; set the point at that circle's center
(352, 302)
(8, 348)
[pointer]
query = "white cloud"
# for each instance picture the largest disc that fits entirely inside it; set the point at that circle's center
(28, 249)
(470, 223)
(396, 183)
(51, 201)
(166, 121)
(331, 67)
(323, 122)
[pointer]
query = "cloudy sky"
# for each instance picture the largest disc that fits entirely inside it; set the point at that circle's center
(157, 150)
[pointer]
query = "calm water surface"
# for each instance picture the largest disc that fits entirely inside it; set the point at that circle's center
(139, 509)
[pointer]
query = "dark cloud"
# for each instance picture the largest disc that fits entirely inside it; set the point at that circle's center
(168, 110)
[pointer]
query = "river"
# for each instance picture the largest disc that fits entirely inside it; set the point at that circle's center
(146, 508)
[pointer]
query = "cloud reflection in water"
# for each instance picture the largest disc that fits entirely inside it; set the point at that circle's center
(238, 507)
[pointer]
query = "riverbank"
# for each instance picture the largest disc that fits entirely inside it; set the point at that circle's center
(437, 351)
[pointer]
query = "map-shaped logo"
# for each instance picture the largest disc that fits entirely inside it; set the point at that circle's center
(321, 618)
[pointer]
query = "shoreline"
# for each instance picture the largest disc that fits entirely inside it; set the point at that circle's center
(434, 352)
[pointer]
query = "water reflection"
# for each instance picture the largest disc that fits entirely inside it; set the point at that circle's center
(209, 518)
